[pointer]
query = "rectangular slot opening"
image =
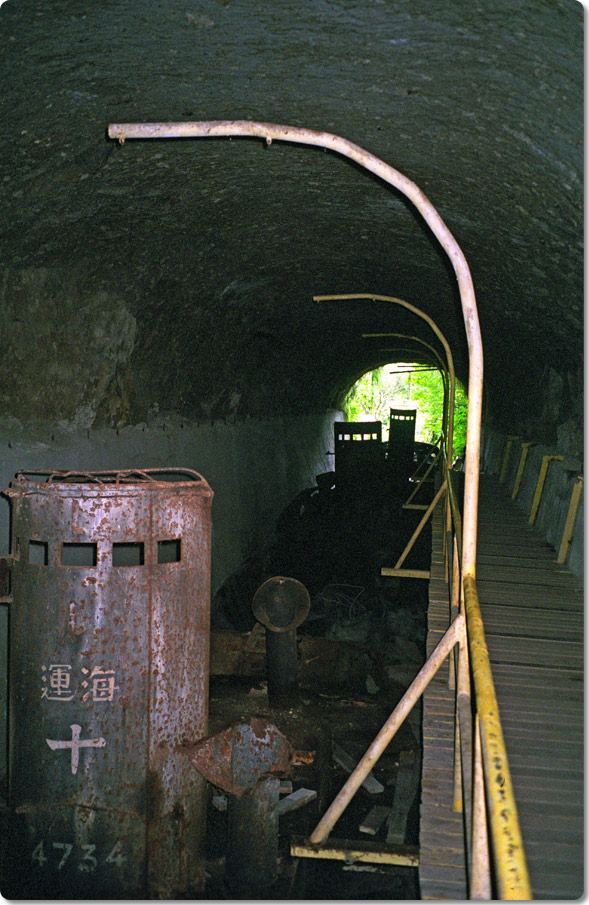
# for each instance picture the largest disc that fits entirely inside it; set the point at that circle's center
(169, 550)
(38, 553)
(83, 555)
(130, 554)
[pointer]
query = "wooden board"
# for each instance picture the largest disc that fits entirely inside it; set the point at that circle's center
(533, 615)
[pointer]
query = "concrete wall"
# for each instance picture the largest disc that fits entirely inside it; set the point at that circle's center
(254, 468)
(560, 480)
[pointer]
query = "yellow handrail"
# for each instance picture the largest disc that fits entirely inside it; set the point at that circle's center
(509, 856)
(511, 868)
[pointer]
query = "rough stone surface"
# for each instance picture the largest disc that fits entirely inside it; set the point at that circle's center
(198, 259)
(67, 349)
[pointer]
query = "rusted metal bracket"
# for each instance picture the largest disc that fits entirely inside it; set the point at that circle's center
(246, 760)
(508, 444)
(569, 525)
(546, 460)
(520, 468)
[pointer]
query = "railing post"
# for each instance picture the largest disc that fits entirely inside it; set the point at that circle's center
(480, 871)
(569, 525)
(454, 606)
(464, 718)
(521, 466)
(546, 460)
(508, 445)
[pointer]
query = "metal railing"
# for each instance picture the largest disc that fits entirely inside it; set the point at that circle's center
(575, 482)
(478, 725)
(495, 858)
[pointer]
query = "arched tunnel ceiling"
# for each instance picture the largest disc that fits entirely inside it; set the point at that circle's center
(180, 274)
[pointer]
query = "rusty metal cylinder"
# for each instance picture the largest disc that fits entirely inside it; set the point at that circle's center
(109, 663)
(252, 839)
(281, 667)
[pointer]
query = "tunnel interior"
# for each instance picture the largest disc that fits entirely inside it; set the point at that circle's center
(157, 300)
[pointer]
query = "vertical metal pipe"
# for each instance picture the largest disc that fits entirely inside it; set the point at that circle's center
(454, 605)
(458, 804)
(281, 666)
(480, 873)
(569, 525)
(281, 604)
(251, 864)
(546, 460)
(464, 714)
(520, 468)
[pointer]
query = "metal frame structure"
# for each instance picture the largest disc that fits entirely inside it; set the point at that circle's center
(435, 359)
(466, 630)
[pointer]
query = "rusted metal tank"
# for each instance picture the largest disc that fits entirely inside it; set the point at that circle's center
(109, 661)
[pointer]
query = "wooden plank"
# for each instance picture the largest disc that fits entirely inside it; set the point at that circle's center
(341, 757)
(361, 850)
(375, 818)
(405, 791)
(295, 800)
(533, 612)
(530, 651)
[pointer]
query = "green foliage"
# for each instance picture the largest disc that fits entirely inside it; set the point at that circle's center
(376, 392)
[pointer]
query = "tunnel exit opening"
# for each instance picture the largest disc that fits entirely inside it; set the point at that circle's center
(411, 387)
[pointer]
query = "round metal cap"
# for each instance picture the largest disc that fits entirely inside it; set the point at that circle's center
(281, 604)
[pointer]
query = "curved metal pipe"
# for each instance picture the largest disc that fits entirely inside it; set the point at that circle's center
(438, 358)
(272, 131)
(432, 324)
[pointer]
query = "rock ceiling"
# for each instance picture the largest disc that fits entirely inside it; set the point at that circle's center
(181, 273)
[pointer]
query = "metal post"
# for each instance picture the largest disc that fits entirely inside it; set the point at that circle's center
(464, 717)
(252, 838)
(454, 605)
(546, 460)
(508, 445)
(480, 872)
(463, 686)
(281, 666)
(457, 796)
(521, 466)
(281, 604)
(569, 525)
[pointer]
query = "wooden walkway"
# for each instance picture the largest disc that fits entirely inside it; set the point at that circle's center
(532, 611)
